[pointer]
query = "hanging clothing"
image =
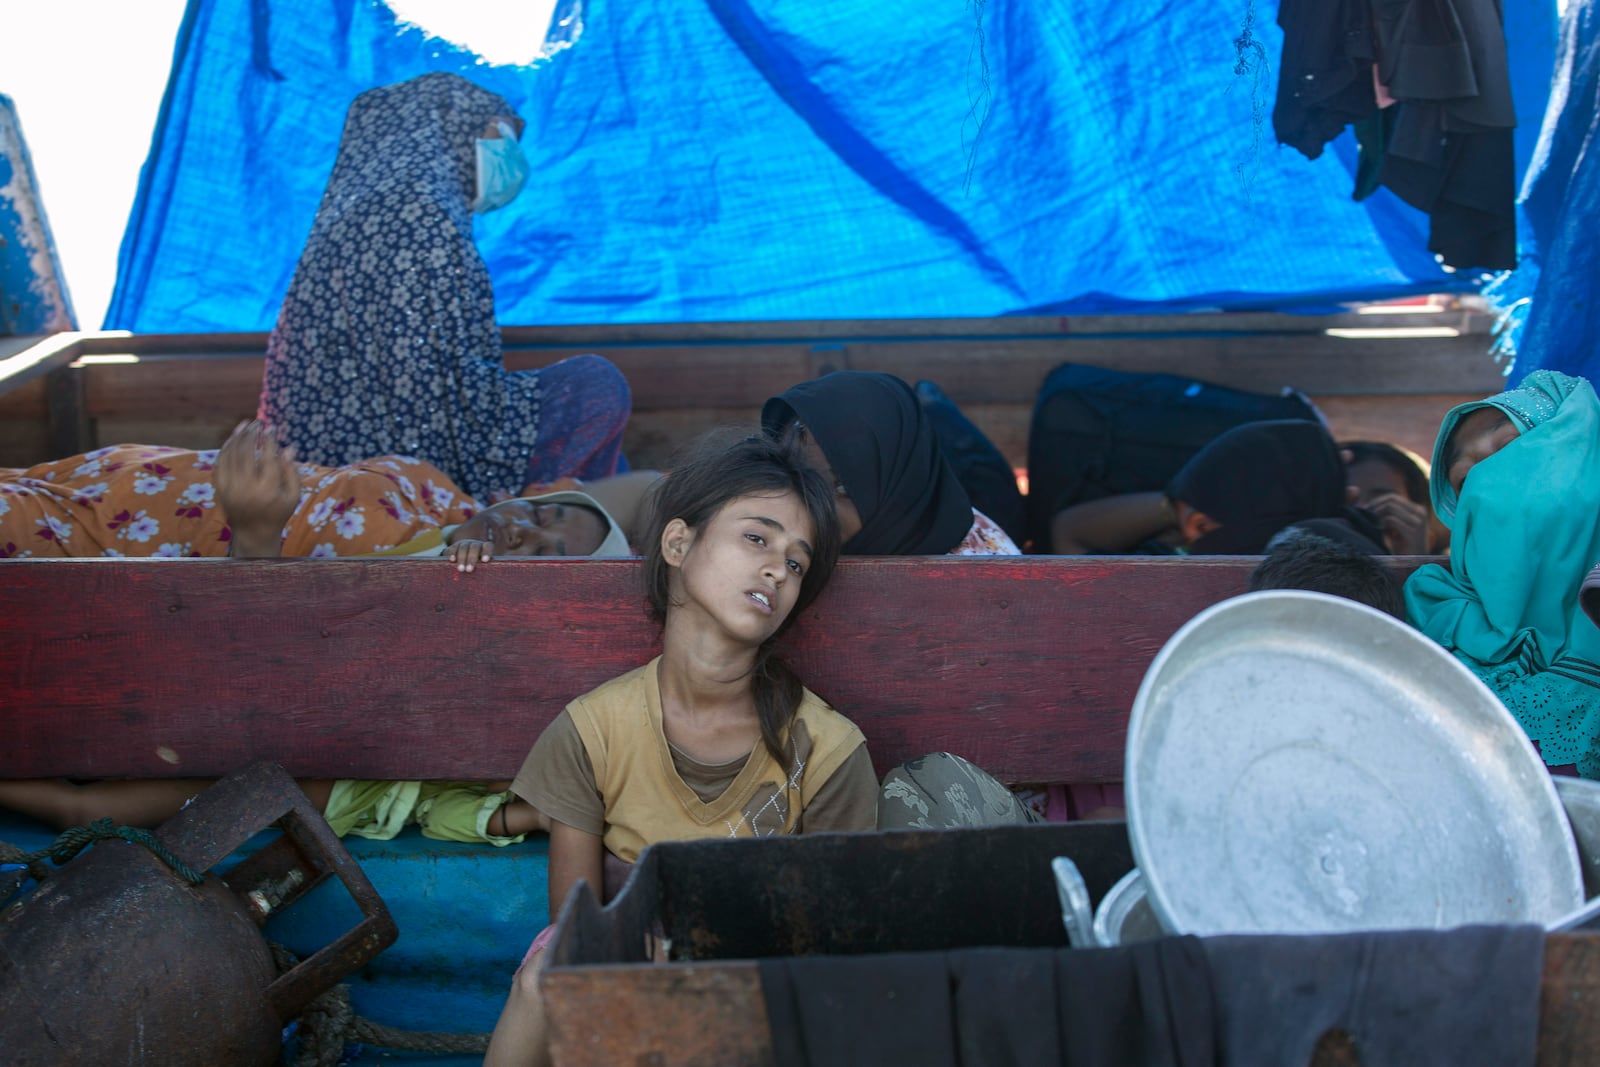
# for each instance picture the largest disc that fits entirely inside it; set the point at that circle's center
(1526, 528)
(150, 500)
(885, 453)
(1424, 998)
(387, 342)
(1258, 478)
(1428, 88)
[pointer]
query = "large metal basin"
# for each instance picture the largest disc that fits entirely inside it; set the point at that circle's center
(1299, 763)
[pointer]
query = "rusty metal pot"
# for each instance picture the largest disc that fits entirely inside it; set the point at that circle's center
(115, 958)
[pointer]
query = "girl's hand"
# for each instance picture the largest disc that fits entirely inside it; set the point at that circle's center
(258, 488)
(1404, 522)
(468, 554)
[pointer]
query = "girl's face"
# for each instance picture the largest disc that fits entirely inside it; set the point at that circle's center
(740, 573)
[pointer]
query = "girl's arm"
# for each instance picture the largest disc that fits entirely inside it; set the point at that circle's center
(1110, 524)
(574, 854)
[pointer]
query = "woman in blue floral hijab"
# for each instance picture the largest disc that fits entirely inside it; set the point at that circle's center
(387, 342)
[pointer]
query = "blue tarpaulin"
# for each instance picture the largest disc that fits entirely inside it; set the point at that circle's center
(1554, 318)
(703, 160)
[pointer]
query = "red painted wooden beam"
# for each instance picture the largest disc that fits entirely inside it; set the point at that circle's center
(405, 669)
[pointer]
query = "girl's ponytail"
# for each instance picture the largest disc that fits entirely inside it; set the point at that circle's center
(778, 692)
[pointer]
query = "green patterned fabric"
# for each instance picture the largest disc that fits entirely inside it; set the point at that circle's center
(445, 811)
(1526, 531)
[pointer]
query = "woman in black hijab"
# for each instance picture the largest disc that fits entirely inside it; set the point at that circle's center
(1230, 498)
(898, 496)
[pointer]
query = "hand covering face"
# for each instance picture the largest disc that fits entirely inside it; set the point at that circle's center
(884, 451)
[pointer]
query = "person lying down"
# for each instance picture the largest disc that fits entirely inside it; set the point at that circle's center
(135, 501)
(258, 487)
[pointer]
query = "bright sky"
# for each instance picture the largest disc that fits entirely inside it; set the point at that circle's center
(87, 78)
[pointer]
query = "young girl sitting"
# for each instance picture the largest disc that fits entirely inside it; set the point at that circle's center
(1516, 477)
(715, 737)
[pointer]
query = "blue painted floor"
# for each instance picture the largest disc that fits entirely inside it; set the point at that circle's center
(466, 915)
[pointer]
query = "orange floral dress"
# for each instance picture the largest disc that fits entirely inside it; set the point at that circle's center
(149, 500)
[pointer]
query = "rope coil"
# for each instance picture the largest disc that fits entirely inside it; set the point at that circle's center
(71, 842)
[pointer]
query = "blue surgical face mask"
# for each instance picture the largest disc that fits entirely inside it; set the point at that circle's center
(502, 170)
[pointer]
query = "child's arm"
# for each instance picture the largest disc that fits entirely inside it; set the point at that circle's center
(1110, 524)
(521, 1037)
(63, 804)
(146, 802)
(574, 854)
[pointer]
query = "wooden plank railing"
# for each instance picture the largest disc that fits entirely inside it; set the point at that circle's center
(189, 389)
(407, 669)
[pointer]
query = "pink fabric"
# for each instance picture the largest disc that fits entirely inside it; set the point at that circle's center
(985, 538)
(539, 944)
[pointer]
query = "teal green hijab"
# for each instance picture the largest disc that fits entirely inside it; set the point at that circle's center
(1526, 531)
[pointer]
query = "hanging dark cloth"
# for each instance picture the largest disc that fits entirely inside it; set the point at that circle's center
(1425, 998)
(1325, 73)
(1258, 478)
(1443, 142)
(1148, 1004)
(886, 456)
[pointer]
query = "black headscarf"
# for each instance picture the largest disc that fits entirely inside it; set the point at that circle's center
(1258, 478)
(883, 449)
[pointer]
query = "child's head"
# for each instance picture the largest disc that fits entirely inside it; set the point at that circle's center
(1479, 430)
(1299, 559)
(776, 490)
(564, 523)
(1254, 480)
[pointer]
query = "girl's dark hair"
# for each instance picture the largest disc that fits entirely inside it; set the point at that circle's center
(1415, 480)
(723, 466)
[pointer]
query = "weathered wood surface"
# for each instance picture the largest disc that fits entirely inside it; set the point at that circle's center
(407, 669)
(190, 389)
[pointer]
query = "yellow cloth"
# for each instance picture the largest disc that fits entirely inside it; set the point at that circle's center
(428, 543)
(646, 801)
(445, 811)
